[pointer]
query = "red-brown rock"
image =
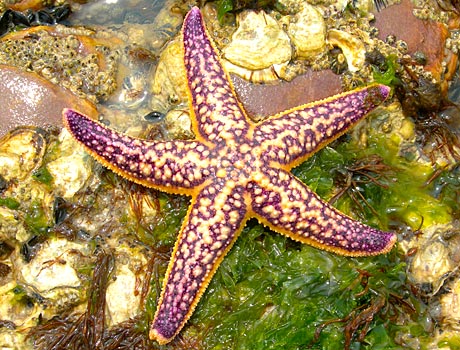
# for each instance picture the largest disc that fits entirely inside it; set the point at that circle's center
(262, 100)
(28, 99)
(426, 36)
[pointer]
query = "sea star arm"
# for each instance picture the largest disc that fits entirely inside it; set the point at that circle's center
(217, 115)
(172, 166)
(287, 206)
(213, 223)
(292, 136)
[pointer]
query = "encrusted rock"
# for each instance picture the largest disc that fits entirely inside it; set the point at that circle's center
(65, 56)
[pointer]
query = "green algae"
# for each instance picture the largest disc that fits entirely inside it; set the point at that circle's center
(401, 196)
(388, 75)
(172, 210)
(451, 342)
(161, 230)
(408, 199)
(446, 188)
(43, 175)
(10, 203)
(272, 293)
(36, 218)
(227, 6)
(223, 7)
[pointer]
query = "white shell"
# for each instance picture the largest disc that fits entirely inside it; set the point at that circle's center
(352, 48)
(307, 31)
(258, 43)
(122, 301)
(169, 81)
(44, 274)
(436, 259)
(71, 171)
(122, 296)
(21, 151)
(178, 124)
(450, 306)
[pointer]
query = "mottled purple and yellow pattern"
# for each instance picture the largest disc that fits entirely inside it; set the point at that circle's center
(234, 170)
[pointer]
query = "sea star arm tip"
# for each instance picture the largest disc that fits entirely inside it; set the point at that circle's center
(299, 132)
(213, 223)
(172, 166)
(217, 115)
(289, 207)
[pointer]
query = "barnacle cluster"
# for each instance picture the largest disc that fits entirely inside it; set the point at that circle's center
(90, 73)
(21, 5)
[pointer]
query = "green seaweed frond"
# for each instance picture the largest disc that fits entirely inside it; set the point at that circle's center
(223, 7)
(43, 175)
(10, 203)
(389, 74)
(36, 218)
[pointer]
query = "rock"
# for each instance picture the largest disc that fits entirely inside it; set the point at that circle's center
(264, 100)
(28, 99)
(426, 36)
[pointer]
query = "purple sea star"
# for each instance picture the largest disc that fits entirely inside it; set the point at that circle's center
(234, 170)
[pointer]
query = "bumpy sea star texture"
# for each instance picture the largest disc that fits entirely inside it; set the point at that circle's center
(234, 170)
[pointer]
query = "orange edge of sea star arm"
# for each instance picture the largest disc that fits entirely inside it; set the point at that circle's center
(216, 113)
(170, 166)
(213, 223)
(284, 204)
(292, 136)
